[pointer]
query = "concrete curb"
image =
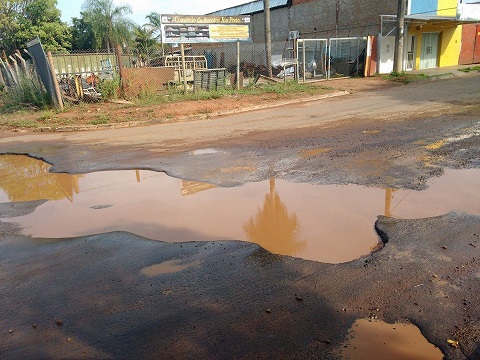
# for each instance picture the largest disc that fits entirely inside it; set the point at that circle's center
(70, 128)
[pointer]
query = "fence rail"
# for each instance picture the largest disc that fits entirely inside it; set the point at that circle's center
(91, 75)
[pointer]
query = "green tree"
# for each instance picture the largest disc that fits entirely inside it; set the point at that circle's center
(154, 25)
(82, 34)
(144, 42)
(109, 25)
(23, 20)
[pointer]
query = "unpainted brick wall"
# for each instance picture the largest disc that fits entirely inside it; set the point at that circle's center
(317, 19)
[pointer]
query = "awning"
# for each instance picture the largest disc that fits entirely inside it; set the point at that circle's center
(422, 19)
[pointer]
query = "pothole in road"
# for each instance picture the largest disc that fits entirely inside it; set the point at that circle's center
(325, 223)
(376, 339)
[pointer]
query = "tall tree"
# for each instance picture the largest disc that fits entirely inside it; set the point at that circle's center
(82, 34)
(109, 25)
(144, 42)
(23, 20)
(154, 24)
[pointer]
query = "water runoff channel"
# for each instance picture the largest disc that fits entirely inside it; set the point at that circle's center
(324, 223)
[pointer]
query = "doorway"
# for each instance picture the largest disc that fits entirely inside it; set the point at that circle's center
(429, 55)
(411, 46)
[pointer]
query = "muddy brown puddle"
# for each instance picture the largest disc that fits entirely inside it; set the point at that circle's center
(389, 341)
(325, 223)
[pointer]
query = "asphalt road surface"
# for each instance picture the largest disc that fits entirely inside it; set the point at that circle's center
(91, 296)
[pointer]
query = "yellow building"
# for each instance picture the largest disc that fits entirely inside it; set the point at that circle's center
(438, 33)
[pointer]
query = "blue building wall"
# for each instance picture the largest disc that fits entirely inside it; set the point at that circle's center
(424, 7)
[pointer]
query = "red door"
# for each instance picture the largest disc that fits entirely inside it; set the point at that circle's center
(470, 52)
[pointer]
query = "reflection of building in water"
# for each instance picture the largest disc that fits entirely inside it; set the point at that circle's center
(273, 227)
(23, 178)
(193, 187)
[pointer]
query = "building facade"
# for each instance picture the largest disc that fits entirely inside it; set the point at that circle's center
(438, 33)
(313, 19)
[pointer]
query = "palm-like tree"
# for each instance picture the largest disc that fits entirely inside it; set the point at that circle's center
(154, 24)
(109, 25)
(144, 43)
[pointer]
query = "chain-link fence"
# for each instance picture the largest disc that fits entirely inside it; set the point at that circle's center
(91, 75)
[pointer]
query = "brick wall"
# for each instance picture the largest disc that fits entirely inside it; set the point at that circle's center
(318, 19)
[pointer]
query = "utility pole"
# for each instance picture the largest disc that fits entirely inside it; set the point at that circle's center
(268, 36)
(337, 17)
(399, 37)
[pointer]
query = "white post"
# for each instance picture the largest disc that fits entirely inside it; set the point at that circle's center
(303, 55)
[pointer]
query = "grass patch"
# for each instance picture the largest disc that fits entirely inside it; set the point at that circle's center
(470, 69)
(404, 77)
(150, 106)
(176, 94)
(21, 123)
(26, 94)
(47, 115)
(101, 119)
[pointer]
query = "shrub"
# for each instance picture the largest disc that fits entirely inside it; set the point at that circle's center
(109, 88)
(27, 93)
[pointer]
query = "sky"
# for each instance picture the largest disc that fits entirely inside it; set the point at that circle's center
(141, 8)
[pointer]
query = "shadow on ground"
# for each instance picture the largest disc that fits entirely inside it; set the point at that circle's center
(91, 296)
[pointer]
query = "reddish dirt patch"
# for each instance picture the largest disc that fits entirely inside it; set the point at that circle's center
(121, 112)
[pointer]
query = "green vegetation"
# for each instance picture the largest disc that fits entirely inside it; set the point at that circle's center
(147, 107)
(469, 69)
(21, 121)
(23, 20)
(107, 23)
(109, 88)
(404, 77)
(282, 90)
(26, 94)
(101, 119)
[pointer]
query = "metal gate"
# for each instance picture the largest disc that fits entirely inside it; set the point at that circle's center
(346, 56)
(325, 59)
(312, 59)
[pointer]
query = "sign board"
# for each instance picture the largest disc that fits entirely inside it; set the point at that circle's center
(204, 28)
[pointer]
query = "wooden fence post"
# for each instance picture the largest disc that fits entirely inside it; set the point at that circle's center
(120, 69)
(58, 94)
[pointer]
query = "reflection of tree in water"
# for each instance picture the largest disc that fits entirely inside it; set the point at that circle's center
(273, 227)
(26, 179)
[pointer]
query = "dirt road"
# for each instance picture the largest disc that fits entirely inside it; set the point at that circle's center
(242, 301)
(363, 115)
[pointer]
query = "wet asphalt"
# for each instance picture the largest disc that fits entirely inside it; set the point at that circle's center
(88, 297)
